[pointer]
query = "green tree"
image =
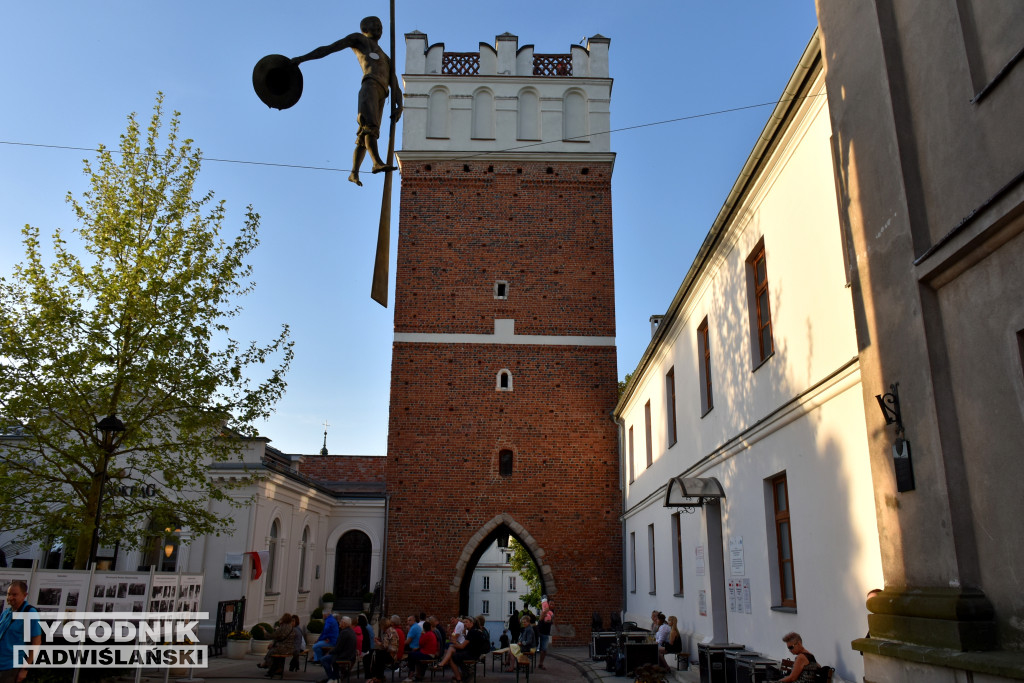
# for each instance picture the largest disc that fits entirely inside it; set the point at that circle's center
(624, 382)
(522, 562)
(136, 326)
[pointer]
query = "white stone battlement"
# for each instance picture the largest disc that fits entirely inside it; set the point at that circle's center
(506, 97)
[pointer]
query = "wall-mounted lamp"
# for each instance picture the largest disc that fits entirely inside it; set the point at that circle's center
(890, 406)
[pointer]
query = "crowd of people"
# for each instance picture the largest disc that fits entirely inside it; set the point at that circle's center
(421, 640)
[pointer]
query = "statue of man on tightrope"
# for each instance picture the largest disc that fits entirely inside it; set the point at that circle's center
(378, 79)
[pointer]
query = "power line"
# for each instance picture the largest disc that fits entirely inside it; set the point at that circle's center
(664, 122)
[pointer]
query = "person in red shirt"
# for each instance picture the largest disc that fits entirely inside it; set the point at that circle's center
(428, 650)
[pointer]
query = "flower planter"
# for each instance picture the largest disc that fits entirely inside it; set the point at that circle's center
(260, 647)
(237, 649)
(327, 606)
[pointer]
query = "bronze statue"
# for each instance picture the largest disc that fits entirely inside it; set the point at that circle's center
(378, 77)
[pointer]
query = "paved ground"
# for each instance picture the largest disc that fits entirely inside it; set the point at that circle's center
(563, 664)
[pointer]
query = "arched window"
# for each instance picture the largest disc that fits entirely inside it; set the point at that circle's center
(275, 531)
(437, 114)
(528, 116)
(162, 543)
(504, 381)
(302, 558)
(483, 115)
(352, 570)
(505, 463)
(574, 117)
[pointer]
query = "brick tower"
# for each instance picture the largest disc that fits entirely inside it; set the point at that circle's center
(503, 375)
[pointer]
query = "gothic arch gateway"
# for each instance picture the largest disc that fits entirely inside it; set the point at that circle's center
(500, 526)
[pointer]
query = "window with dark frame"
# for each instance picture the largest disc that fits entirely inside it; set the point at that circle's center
(707, 401)
(647, 426)
(670, 405)
(784, 541)
(677, 543)
(760, 307)
(505, 457)
(632, 562)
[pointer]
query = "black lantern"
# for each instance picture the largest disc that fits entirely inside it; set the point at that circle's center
(108, 429)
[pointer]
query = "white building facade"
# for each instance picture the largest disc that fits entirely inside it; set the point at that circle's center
(750, 388)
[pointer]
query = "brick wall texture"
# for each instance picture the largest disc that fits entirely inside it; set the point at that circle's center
(361, 468)
(545, 228)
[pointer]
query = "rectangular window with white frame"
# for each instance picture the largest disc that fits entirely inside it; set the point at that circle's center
(511, 607)
(670, 406)
(760, 306)
(485, 607)
(632, 562)
(677, 554)
(707, 400)
(647, 426)
(512, 583)
(780, 545)
(632, 472)
(652, 574)
(486, 584)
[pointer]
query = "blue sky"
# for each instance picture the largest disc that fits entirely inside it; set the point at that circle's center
(75, 70)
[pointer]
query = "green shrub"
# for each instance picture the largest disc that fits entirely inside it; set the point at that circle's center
(318, 613)
(327, 597)
(315, 626)
(262, 632)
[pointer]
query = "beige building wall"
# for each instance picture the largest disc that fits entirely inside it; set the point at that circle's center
(927, 100)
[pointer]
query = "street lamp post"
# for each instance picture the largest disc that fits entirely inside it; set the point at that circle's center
(108, 428)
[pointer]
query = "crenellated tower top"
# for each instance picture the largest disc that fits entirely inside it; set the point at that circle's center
(505, 98)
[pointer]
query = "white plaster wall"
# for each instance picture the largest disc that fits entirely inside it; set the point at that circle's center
(801, 412)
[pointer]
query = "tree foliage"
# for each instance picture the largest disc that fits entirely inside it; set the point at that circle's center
(523, 563)
(137, 326)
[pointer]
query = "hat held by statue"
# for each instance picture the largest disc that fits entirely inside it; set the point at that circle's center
(277, 82)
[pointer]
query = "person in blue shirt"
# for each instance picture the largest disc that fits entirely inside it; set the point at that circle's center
(326, 642)
(12, 632)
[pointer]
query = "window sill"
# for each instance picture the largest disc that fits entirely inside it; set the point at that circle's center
(678, 595)
(759, 365)
(705, 413)
(652, 592)
(272, 593)
(303, 591)
(785, 610)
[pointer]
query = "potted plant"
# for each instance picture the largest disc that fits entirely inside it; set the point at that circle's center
(367, 601)
(261, 638)
(315, 626)
(318, 613)
(238, 644)
(328, 602)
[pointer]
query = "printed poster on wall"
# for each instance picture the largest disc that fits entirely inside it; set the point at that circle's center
(733, 595)
(163, 593)
(745, 595)
(57, 591)
(736, 563)
(188, 592)
(118, 592)
(702, 602)
(6, 577)
(700, 560)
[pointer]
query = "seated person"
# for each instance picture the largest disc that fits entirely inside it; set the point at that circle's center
(805, 667)
(527, 642)
(428, 649)
(343, 656)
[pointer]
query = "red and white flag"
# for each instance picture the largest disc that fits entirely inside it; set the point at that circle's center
(260, 559)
